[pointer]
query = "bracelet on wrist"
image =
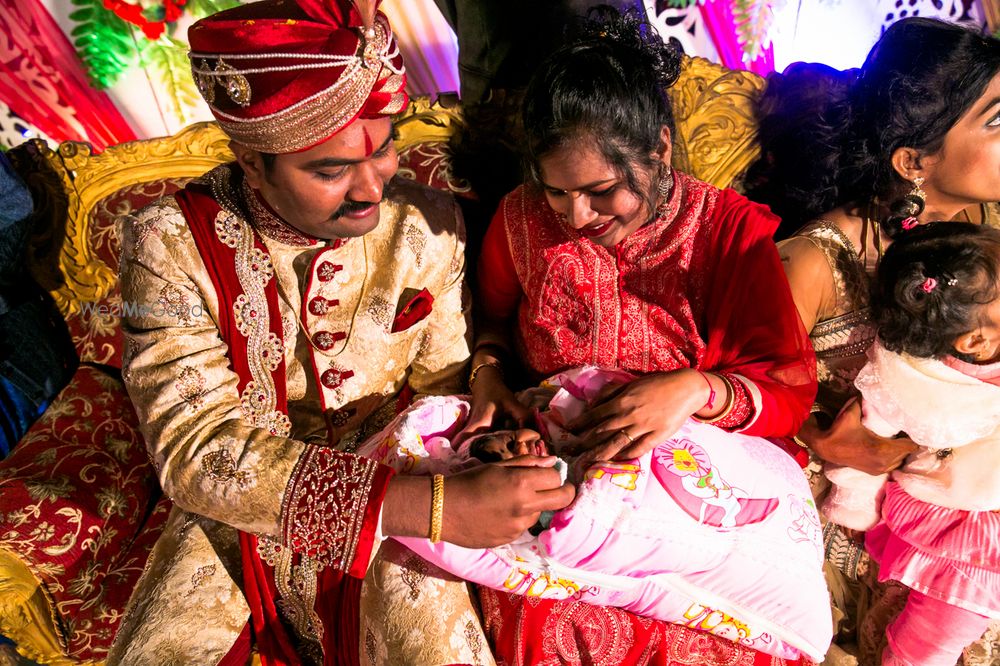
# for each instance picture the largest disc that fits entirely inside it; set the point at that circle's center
(437, 507)
(730, 401)
(479, 366)
(710, 403)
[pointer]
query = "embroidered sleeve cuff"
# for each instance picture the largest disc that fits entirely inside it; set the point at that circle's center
(332, 507)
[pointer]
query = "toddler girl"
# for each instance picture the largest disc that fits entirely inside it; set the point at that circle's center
(934, 374)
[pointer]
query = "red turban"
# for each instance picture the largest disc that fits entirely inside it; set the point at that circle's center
(284, 75)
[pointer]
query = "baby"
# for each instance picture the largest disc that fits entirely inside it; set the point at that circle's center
(506, 444)
(711, 530)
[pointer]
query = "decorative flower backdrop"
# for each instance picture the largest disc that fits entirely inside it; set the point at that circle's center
(58, 68)
(113, 36)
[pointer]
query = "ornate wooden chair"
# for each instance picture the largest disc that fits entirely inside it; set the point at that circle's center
(80, 506)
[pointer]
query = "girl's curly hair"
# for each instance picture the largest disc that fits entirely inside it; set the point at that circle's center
(932, 285)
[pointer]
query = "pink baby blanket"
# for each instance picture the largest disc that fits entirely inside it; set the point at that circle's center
(712, 530)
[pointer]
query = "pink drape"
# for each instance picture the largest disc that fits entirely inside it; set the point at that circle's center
(718, 18)
(43, 81)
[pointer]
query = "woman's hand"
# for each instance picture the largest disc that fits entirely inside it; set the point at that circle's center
(635, 417)
(492, 404)
(850, 444)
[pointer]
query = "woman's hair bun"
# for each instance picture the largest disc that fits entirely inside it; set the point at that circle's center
(630, 36)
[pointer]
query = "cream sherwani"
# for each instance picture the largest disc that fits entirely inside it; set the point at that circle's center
(228, 464)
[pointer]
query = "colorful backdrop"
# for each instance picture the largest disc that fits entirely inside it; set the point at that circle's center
(107, 71)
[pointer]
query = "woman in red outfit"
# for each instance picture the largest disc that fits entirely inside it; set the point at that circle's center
(608, 256)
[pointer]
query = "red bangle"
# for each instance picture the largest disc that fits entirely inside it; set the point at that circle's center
(711, 391)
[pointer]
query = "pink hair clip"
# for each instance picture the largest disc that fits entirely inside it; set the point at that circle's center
(929, 285)
(909, 223)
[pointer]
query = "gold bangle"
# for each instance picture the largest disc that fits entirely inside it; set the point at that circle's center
(730, 401)
(480, 366)
(437, 507)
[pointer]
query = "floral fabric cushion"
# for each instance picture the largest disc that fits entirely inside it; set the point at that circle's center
(81, 507)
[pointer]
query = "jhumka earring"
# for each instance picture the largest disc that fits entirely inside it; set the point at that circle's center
(905, 211)
(917, 192)
(665, 184)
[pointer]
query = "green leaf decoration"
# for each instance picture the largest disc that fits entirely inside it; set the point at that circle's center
(202, 8)
(108, 46)
(681, 4)
(753, 19)
(167, 57)
(103, 41)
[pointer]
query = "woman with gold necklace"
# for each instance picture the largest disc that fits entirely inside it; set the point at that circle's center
(915, 138)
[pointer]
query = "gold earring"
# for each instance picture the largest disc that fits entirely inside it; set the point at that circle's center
(665, 184)
(917, 191)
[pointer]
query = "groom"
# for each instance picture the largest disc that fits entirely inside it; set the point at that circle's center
(312, 295)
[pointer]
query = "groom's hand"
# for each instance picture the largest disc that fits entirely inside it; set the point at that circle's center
(494, 504)
(484, 507)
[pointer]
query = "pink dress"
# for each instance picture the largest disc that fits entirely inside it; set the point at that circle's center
(710, 530)
(939, 531)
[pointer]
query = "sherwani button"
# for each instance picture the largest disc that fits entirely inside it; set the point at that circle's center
(333, 378)
(340, 417)
(327, 270)
(324, 340)
(319, 306)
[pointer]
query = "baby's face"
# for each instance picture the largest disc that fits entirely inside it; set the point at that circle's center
(507, 444)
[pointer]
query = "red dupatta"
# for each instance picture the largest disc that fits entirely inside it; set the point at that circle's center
(752, 327)
(201, 210)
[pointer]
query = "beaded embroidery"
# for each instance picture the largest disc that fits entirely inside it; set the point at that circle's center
(315, 117)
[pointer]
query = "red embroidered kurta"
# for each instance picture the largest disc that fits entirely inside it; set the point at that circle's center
(702, 286)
